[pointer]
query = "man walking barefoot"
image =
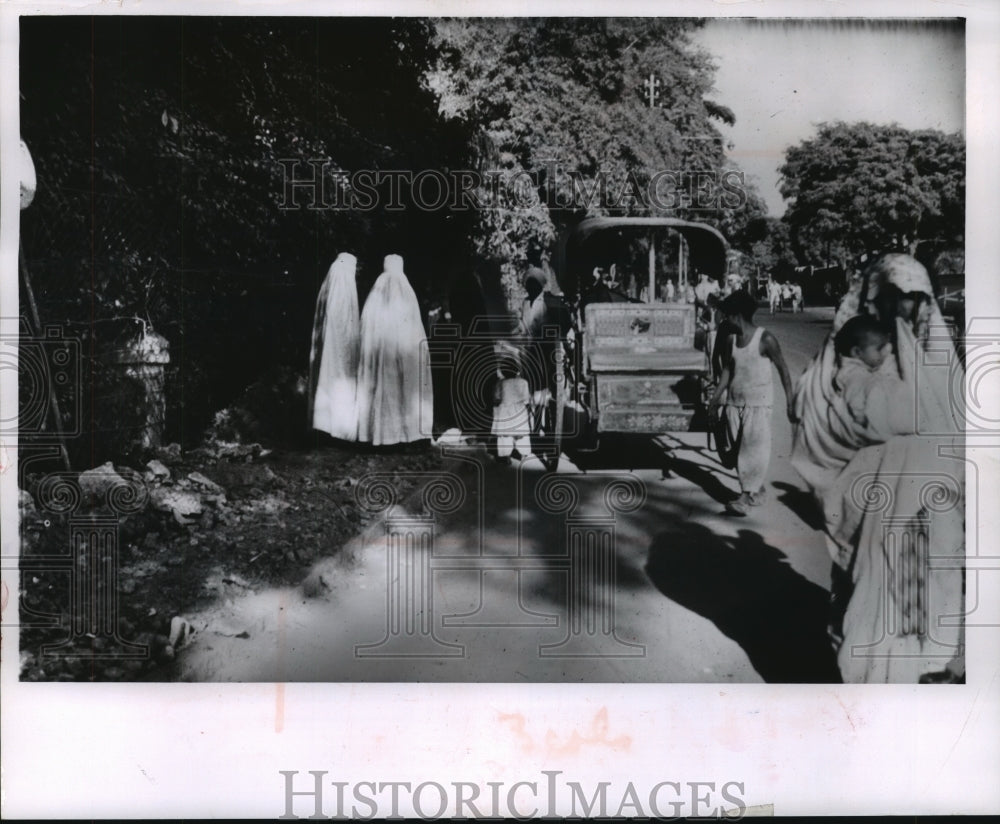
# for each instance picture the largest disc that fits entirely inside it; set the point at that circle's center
(745, 394)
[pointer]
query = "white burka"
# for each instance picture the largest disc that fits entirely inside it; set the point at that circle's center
(395, 404)
(333, 361)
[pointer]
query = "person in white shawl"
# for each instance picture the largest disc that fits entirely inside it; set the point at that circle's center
(395, 401)
(893, 509)
(333, 360)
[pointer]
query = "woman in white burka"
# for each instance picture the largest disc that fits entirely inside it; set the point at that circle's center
(333, 361)
(395, 404)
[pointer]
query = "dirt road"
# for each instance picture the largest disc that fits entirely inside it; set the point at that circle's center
(622, 567)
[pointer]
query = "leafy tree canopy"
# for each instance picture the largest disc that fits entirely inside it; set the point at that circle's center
(567, 100)
(767, 243)
(161, 146)
(158, 144)
(860, 187)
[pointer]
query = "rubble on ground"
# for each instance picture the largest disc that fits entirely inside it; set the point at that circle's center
(169, 454)
(184, 505)
(156, 472)
(97, 482)
(205, 483)
(25, 504)
(231, 450)
(214, 523)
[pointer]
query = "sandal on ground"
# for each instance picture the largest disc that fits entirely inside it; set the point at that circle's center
(740, 506)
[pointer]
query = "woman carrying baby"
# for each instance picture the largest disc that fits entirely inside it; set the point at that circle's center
(879, 444)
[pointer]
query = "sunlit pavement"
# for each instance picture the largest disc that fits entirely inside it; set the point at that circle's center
(622, 567)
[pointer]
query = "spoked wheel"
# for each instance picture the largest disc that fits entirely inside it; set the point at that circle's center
(551, 449)
(551, 445)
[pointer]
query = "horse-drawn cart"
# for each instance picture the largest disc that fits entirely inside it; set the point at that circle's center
(643, 373)
(629, 367)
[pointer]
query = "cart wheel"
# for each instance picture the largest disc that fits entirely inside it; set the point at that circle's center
(552, 448)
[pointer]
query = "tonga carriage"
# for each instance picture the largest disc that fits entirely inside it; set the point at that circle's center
(628, 367)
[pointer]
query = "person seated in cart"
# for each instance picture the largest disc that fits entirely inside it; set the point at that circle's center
(706, 286)
(616, 290)
(604, 288)
(595, 291)
(734, 283)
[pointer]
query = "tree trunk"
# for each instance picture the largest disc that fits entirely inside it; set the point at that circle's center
(513, 289)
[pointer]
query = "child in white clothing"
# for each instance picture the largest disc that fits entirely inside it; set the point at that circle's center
(511, 412)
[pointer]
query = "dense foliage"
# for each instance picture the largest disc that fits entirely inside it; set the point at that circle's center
(164, 147)
(767, 246)
(158, 145)
(860, 187)
(567, 101)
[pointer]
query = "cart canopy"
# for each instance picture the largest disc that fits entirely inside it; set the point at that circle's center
(592, 237)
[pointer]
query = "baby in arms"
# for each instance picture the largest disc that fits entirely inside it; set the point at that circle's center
(878, 398)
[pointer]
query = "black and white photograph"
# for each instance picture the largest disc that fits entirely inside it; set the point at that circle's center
(523, 363)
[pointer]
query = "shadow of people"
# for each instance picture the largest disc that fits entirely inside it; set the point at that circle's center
(703, 476)
(620, 451)
(629, 452)
(748, 590)
(558, 535)
(801, 503)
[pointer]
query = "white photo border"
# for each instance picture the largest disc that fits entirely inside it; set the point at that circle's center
(196, 750)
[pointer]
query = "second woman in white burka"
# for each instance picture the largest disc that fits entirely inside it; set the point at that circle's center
(334, 357)
(395, 404)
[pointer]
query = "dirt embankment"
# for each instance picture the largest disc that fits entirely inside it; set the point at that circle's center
(214, 523)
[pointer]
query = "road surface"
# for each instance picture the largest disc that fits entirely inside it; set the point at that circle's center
(622, 567)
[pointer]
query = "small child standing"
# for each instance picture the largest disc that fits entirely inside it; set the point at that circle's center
(746, 387)
(877, 398)
(511, 412)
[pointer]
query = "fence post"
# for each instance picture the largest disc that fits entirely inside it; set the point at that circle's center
(142, 362)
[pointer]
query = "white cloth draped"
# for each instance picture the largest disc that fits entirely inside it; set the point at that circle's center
(333, 360)
(904, 615)
(26, 171)
(395, 401)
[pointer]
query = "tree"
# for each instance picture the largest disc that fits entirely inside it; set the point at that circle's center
(563, 102)
(746, 226)
(861, 187)
(768, 243)
(159, 144)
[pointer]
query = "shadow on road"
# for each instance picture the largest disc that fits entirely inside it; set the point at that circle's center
(626, 452)
(748, 590)
(702, 476)
(622, 452)
(801, 503)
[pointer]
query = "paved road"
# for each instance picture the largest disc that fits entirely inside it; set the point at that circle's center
(622, 567)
